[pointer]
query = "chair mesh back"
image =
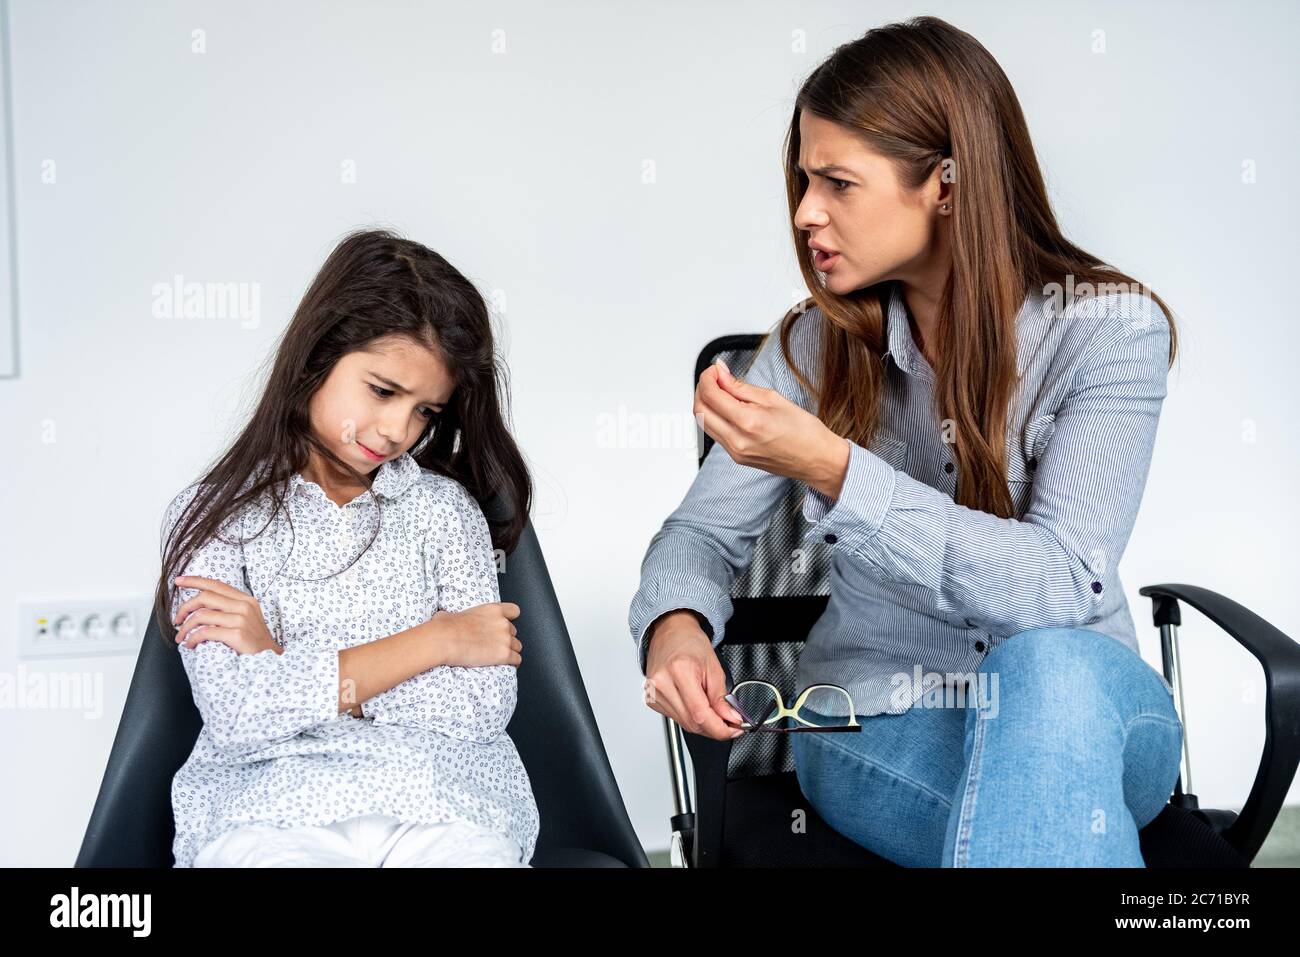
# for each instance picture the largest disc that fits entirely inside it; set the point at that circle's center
(781, 567)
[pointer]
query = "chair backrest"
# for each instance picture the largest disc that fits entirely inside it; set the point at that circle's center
(553, 728)
(776, 600)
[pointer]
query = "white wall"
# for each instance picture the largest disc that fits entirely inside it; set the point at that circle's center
(525, 168)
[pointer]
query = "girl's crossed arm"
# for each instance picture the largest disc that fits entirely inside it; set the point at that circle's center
(250, 691)
(473, 704)
(248, 700)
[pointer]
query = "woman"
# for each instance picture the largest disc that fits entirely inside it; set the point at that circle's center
(974, 448)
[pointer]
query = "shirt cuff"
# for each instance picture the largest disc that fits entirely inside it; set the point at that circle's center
(853, 519)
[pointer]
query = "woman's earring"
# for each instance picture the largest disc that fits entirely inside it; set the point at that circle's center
(945, 207)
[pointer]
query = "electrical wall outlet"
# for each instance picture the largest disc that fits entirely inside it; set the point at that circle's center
(60, 628)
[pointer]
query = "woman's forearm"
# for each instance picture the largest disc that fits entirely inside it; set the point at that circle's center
(371, 668)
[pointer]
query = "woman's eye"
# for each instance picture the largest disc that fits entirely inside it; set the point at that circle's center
(838, 182)
(385, 393)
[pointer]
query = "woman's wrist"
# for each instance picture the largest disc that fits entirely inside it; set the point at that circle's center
(670, 621)
(677, 617)
(829, 469)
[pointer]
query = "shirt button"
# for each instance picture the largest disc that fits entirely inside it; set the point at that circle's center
(831, 539)
(1032, 463)
(947, 466)
(350, 575)
(1096, 587)
(979, 646)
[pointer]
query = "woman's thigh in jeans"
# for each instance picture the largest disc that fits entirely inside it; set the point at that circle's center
(890, 786)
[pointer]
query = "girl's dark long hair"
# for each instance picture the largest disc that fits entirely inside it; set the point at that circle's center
(920, 92)
(374, 284)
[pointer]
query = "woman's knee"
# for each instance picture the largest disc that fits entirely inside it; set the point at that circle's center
(1085, 684)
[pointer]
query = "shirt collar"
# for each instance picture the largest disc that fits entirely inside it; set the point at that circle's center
(901, 347)
(393, 478)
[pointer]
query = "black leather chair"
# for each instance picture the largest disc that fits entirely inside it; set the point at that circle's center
(584, 822)
(746, 790)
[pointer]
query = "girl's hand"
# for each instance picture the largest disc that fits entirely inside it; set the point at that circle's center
(478, 636)
(220, 612)
(762, 428)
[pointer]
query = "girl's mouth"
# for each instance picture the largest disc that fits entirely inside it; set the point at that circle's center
(824, 262)
(369, 454)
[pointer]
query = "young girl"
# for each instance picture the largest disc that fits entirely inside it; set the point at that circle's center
(336, 596)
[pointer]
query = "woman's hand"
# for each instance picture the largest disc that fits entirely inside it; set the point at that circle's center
(220, 612)
(684, 679)
(762, 428)
(478, 636)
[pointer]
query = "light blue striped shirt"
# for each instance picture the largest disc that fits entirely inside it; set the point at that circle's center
(915, 578)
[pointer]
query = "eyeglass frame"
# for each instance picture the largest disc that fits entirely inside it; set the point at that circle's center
(782, 711)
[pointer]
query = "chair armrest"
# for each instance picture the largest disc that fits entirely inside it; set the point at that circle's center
(1280, 657)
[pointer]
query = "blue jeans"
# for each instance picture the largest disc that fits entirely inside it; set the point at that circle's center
(1068, 745)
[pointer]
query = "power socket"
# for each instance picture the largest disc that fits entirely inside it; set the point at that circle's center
(60, 628)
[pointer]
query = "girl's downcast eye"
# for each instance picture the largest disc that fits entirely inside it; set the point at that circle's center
(385, 393)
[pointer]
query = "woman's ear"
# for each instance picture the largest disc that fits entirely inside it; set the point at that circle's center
(937, 189)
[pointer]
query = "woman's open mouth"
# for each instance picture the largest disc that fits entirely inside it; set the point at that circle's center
(824, 262)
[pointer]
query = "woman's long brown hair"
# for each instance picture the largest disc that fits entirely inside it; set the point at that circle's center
(373, 284)
(920, 92)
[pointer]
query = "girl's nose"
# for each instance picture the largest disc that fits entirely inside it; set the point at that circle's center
(392, 432)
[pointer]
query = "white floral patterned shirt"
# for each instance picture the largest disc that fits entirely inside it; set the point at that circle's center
(274, 747)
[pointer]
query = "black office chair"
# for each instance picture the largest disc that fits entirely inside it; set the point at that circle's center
(584, 822)
(746, 791)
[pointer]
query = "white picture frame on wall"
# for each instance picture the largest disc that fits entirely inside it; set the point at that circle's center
(8, 229)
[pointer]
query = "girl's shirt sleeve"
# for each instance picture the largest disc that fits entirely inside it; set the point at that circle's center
(1008, 575)
(473, 704)
(249, 702)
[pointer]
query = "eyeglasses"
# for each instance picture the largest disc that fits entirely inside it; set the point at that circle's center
(821, 701)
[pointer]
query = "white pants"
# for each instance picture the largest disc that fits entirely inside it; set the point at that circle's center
(374, 840)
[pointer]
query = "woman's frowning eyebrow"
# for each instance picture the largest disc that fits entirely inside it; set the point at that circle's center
(398, 388)
(828, 170)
